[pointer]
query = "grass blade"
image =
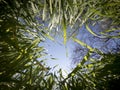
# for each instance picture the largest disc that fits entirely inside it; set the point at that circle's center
(50, 6)
(64, 30)
(44, 10)
(83, 44)
(87, 27)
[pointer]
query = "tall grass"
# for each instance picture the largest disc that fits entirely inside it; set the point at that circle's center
(20, 35)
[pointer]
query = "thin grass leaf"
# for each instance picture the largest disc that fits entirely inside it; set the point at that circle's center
(59, 7)
(44, 10)
(34, 43)
(83, 44)
(87, 27)
(64, 30)
(54, 58)
(19, 56)
(96, 12)
(85, 59)
(66, 87)
(47, 35)
(33, 7)
(112, 4)
(50, 37)
(50, 1)
(81, 11)
(110, 30)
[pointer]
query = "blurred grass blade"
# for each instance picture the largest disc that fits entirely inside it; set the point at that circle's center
(54, 58)
(83, 44)
(87, 27)
(64, 30)
(44, 10)
(78, 15)
(33, 7)
(47, 35)
(50, 37)
(34, 43)
(59, 6)
(50, 6)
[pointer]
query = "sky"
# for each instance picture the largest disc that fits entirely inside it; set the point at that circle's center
(56, 49)
(60, 53)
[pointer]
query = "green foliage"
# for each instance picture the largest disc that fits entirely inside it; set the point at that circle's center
(20, 36)
(96, 75)
(19, 50)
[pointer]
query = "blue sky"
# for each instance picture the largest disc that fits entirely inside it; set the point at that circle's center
(61, 53)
